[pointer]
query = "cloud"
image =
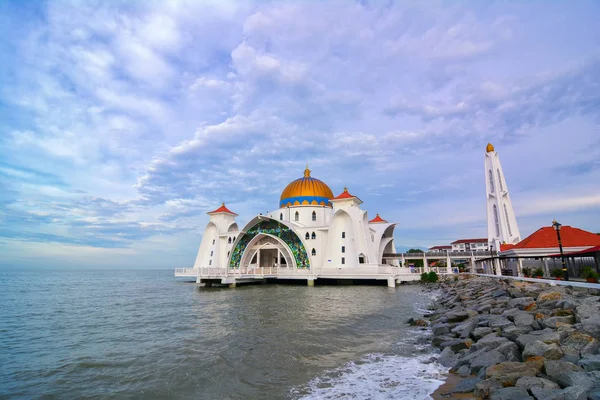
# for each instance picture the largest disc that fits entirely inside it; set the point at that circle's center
(123, 124)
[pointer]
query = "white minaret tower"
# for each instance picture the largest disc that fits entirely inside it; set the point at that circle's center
(501, 220)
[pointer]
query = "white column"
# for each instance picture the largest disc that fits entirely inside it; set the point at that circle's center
(520, 266)
(448, 264)
(391, 282)
(473, 265)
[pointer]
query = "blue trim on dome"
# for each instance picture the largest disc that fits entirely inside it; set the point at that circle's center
(300, 199)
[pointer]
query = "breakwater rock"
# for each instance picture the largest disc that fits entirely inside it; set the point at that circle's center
(518, 340)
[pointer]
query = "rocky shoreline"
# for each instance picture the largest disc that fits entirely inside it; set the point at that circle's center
(517, 340)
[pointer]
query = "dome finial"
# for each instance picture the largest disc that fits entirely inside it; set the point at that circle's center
(307, 172)
(489, 148)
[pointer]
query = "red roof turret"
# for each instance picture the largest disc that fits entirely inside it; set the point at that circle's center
(377, 219)
(222, 209)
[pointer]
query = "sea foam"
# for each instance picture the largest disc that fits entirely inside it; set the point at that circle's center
(377, 376)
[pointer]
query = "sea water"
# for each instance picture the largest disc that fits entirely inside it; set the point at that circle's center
(145, 334)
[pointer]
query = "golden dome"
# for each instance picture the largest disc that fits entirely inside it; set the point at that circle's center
(306, 191)
(489, 148)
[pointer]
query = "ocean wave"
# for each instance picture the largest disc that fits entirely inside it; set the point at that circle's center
(377, 376)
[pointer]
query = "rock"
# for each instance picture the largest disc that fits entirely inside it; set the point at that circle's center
(571, 393)
(489, 342)
(500, 323)
(520, 302)
(513, 332)
(554, 369)
(418, 322)
(468, 328)
(457, 344)
(510, 350)
(547, 336)
(507, 373)
(523, 319)
(440, 329)
(499, 293)
(527, 382)
(466, 385)
(456, 316)
(590, 362)
(448, 358)
(480, 332)
(592, 326)
(594, 393)
(464, 371)
(538, 348)
(484, 387)
(544, 393)
(438, 340)
(549, 295)
(579, 344)
(487, 359)
(553, 322)
(585, 380)
(510, 393)
(484, 308)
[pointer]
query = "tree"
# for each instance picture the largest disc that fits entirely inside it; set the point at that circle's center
(418, 262)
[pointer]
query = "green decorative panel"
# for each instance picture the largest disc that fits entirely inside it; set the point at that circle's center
(276, 229)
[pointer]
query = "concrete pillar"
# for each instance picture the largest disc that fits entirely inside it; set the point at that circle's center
(232, 284)
(473, 265)
(391, 282)
(403, 261)
(448, 265)
(425, 264)
(498, 267)
(310, 282)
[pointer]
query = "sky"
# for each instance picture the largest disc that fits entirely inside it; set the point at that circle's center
(123, 123)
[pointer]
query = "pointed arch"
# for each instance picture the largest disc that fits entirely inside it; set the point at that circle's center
(500, 180)
(281, 216)
(491, 175)
(313, 236)
(297, 216)
(314, 215)
(313, 252)
(307, 236)
(507, 220)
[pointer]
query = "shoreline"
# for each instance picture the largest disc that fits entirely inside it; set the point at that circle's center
(509, 339)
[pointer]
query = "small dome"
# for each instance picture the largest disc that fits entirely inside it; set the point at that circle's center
(489, 148)
(306, 191)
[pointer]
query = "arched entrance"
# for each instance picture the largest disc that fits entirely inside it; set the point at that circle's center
(267, 253)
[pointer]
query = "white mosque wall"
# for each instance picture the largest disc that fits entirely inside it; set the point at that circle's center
(342, 234)
(210, 236)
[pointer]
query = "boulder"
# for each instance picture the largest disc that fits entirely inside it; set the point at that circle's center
(480, 332)
(507, 373)
(538, 348)
(553, 322)
(456, 315)
(485, 387)
(440, 329)
(464, 371)
(554, 369)
(571, 393)
(510, 393)
(547, 336)
(590, 362)
(438, 340)
(545, 393)
(500, 323)
(486, 359)
(484, 308)
(523, 319)
(489, 342)
(549, 295)
(499, 293)
(513, 332)
(579, 344)
(466, 385)
(520, 302)
(448, 358)
(457, 344)
(585, 380)
(527, 382)
(594, 393)
(510, 350)
(592, 326)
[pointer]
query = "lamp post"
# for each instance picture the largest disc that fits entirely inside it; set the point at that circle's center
(556, 227)
(492, 255)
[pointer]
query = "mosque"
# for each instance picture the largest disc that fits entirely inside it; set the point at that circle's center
(312, 234)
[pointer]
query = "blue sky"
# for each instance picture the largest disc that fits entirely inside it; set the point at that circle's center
(123, 123)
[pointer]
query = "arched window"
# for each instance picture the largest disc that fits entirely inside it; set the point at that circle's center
(343, 249)
(307, 236)
(228, 253)
(314, 215)
(229, 240)
(313, 252)
(361, 258)
(211, 253)
(297, 216)
(500, 180)
(313, 236)
(507, 220)
(491, 181)
(213, 241)
(343, 235)
(496, 221)
(281, 216)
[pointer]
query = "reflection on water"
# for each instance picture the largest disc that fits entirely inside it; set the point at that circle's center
(143, 334)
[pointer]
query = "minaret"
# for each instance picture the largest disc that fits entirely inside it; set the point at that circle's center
(501, 220)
